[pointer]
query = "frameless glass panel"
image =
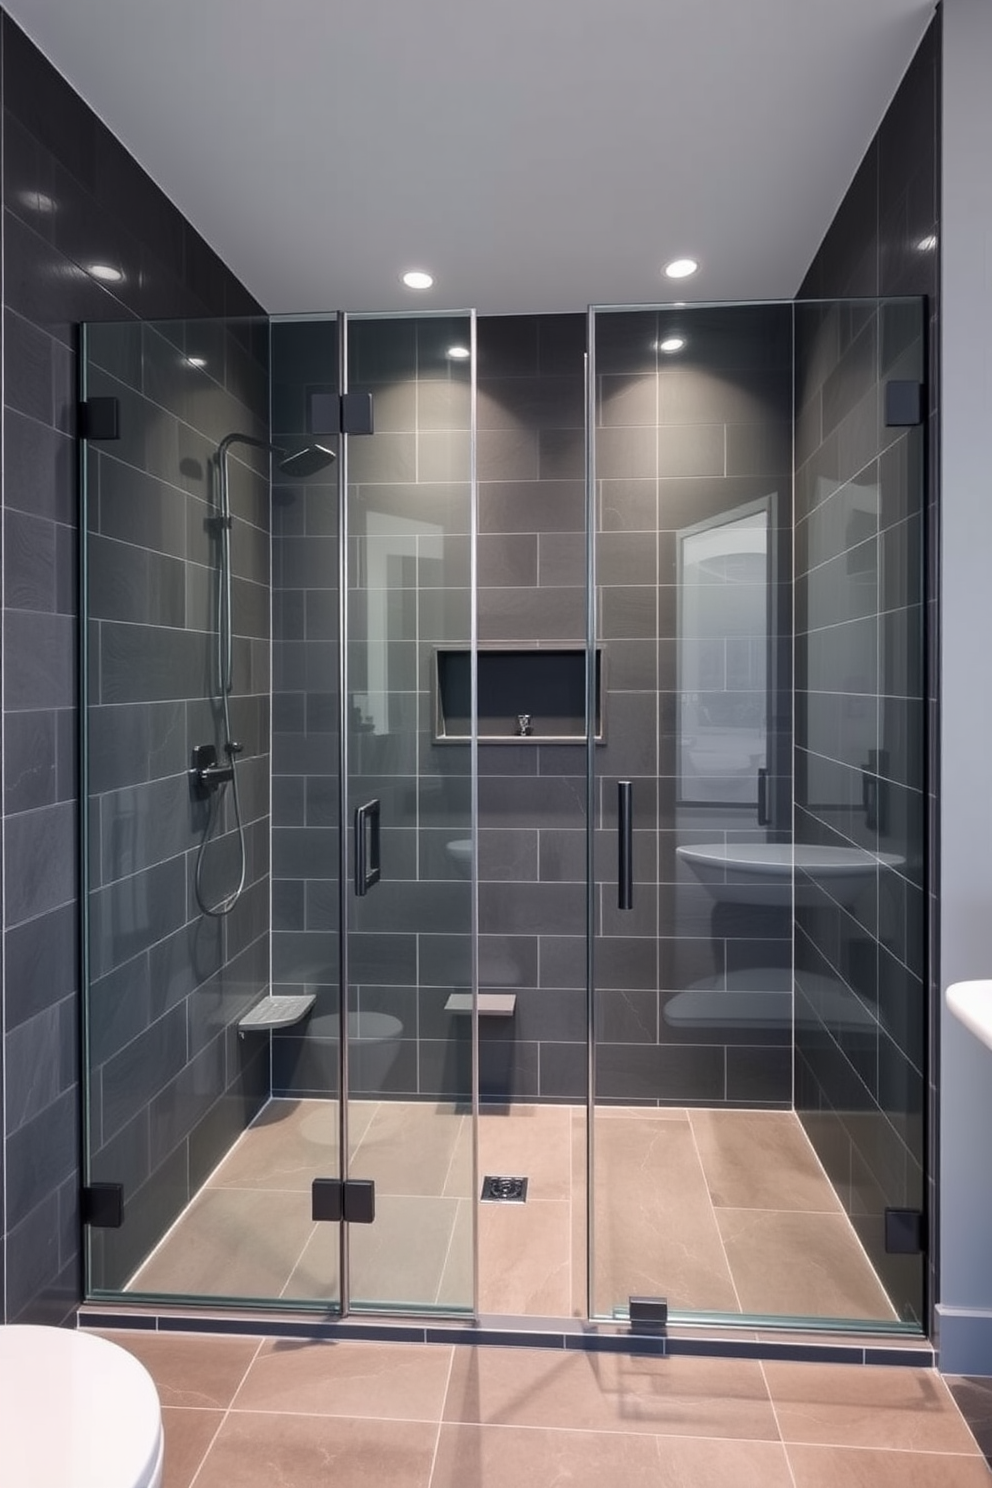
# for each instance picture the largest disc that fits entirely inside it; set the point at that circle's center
(758, 996)
(209, 1178)
(410, 609)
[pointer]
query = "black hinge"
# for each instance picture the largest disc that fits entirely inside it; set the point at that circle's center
(352, 1201)
(648, 1314)
(904, 1232)
(903, 404)
(340, 413)
(103, 1205)
(100, 418)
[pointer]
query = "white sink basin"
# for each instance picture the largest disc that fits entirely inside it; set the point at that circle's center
(762, 872)
(971, 1002)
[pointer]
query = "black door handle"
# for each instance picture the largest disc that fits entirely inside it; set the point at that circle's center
(625, 844)
(367, 863)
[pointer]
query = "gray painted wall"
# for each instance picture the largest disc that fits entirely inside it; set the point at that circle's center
(965, 1310)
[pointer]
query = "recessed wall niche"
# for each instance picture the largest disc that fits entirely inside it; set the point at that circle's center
(525, 694)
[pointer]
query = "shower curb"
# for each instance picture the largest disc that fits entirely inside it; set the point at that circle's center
(586, 1338)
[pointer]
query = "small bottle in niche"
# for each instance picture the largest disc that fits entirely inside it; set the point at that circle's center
(524, 725)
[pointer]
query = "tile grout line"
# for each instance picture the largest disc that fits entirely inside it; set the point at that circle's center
(227, 1412)
(440, 1421)
(778, 1424)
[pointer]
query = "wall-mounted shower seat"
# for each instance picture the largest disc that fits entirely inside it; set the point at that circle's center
(277, 1012)
(491, 1004)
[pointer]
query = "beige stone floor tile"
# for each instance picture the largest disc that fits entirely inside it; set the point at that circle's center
(655, 1231)
(255, 1449)
(460, 1180)
(393, 1381)
(193, 1370)
(876, 1406)
(524, 1258)
(316, 1276)
(579, 1219)
(679, 1396)
(289, 1144)
(456, 1288)
(532, 1142)
(603, 1112)
(854, 1467)
(231, 1242)
(760, 1160)
(518, 1457)
(397, 1261)
(407, 1147)
(808, 1265)
(187, 1435)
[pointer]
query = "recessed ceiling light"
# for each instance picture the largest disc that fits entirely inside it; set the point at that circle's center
(458, 353)
(681, 268)
(418, 279)
(927, 244)
(106, 272)
(670, 345)
(195, 361)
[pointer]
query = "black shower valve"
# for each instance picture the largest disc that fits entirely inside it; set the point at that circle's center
(207, 775)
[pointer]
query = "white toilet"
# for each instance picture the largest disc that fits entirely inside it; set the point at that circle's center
(75, 1412)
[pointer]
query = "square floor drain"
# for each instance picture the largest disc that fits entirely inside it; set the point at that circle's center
(504, 1190)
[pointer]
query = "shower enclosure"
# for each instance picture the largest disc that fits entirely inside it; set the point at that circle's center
(573, 717)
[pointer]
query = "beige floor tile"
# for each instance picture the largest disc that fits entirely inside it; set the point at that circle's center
(258, 1450)
(853, 1467)
(188, 1434)
(532, 1142)
(190, 1369)
(655, 1231)
(394, 1381)
(230, 1242)
(289, 1144)
(397, 1261)
(316, 1276)
(509, 1457)
(808, 1265)
(760, 1160)
(579, 1219)
(456, 1290)
(833, 1404)
(407, 1147)
(638, 1113)
(524, 1258)
(460, 1180)
(611, 1392)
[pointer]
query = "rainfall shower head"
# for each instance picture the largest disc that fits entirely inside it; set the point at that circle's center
(306, 461)
(300, 463)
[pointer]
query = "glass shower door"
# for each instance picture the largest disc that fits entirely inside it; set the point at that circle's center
(410, 808)
(756, 994)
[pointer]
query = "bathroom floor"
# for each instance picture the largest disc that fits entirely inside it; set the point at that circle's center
(256, 1413)
(719, 1211)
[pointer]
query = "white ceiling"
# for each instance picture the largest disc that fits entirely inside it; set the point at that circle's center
(535, 155)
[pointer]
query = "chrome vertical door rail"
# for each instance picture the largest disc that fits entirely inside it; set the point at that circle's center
(591, 783)
(344, 898)
(474, 792)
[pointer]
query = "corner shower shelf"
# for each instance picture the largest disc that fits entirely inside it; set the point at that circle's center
(277, 1012)
(491, 1004)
